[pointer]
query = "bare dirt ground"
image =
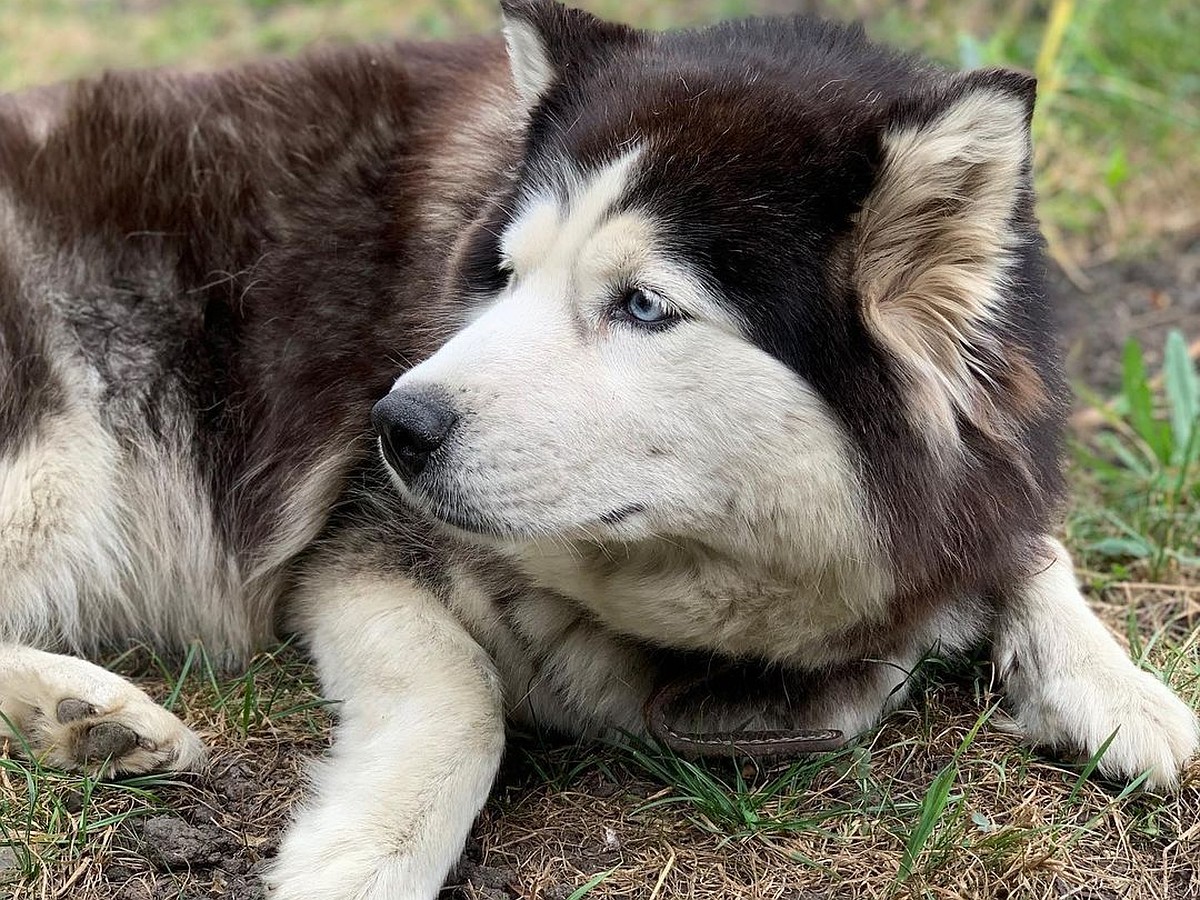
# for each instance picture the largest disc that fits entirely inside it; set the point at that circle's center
(1141, 298)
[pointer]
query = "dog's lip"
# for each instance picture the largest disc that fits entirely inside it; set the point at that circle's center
(472, 525)
(481, 526)
(464, 523)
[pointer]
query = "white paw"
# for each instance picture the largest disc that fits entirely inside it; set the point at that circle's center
(136, 737)
(335, 855)
(1156, 732)
(76, 716)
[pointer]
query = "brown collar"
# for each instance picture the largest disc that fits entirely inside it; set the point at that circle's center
(722, 743)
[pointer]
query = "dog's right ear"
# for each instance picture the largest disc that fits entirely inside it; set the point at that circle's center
(547, 42)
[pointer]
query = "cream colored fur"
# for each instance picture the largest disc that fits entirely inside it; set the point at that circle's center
(59, 529)
(933, 245)
(418, 743)
(531, 70)
(1072, 686)
(99, 541)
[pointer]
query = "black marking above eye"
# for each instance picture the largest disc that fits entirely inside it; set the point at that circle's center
(482, 269)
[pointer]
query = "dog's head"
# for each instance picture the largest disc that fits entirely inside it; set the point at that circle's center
(738, 273)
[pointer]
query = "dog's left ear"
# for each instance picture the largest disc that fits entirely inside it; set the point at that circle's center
(935, 239)
(548, 42)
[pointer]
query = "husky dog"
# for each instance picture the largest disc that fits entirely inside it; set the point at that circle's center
(729, 344)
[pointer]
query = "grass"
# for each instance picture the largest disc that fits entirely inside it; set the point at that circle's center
(72, 836)
(63, 820)
(1141, 473)
(940, 802)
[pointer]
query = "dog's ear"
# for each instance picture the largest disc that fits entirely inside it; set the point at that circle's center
(934, 242)
(548, 41)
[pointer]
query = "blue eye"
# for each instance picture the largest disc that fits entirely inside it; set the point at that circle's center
(646, 307)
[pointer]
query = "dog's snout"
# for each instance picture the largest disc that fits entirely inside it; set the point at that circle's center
(412, 426)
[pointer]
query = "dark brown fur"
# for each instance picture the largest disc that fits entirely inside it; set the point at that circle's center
(244, 250)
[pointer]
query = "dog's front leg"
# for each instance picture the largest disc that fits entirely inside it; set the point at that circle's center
(1070, 684)
(419, 740)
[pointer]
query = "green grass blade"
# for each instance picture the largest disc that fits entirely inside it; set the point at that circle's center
(1090, 767)
(1116, 446)
(932, 807)
(188, 662)
(1121, 548)
(937, 798)
(1182, 386)
(1136, 385)
(592, 883)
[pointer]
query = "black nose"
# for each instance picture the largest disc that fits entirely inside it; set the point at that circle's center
(411, 426)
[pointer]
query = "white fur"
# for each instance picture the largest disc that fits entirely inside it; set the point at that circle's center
(751, 533)
(532, 72)
(417, 747)
(1072, 686)
(59, 535)
(33, 684)
(99, 541)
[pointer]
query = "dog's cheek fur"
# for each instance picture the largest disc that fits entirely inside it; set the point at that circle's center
(756, 470)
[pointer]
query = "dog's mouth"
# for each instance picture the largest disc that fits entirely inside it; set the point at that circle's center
(471, 523)
(452, 513)
(480, 526)
(458, 512)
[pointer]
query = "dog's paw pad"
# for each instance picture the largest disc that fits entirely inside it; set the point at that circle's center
(106, 741)
(72, 710)
(138, 738)
(74, 715)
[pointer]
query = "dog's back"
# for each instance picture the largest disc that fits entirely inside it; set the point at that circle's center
(200, 283)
